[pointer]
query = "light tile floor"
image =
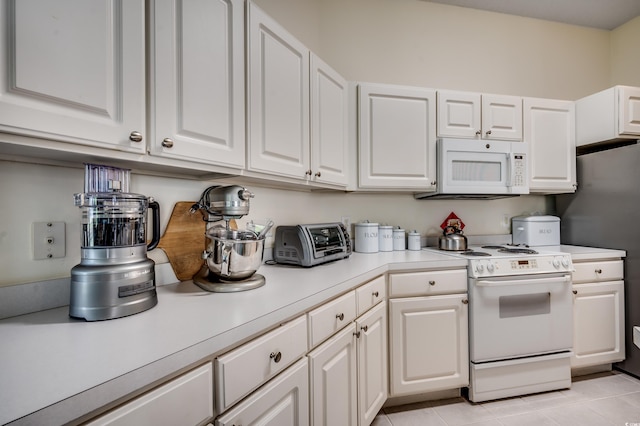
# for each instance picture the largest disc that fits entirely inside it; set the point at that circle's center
(603, 399)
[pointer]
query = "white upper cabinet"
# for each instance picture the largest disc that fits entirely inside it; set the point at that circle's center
(608, 115)
(329, 102)
(397, 137)
(278, 95)
(74, 71)
(549, 130)
(459, 114)
(297, 107)
(197, 78)
(479, 116)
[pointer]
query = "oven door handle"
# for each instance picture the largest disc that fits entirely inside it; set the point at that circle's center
(532, 281)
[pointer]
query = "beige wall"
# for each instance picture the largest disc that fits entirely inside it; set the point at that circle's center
(413, 42)
(407, 42)
(625, 60)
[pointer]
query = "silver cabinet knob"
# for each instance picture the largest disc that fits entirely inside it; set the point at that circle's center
(488, 132)
(431, 282)
(465, 301)
(276, 356)
(364, 328)
(167, 143)
(478, 133)
(340, 317)
(308, 172)
(598, 271)
(318, 174)
(375, 294)
(135, 136)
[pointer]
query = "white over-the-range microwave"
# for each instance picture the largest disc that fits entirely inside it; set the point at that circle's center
(480, 169)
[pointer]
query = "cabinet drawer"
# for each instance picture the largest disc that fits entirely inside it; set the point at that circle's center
(331, 317)
(185, 400)
(598, 271)
(369, 294)
(427, 283)
(245, 368)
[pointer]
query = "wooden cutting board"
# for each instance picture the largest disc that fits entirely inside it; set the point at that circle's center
(184, 241)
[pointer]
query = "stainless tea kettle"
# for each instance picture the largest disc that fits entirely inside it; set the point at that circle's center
(452, 239)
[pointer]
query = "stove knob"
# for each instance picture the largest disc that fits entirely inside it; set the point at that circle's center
(490, 267)
(479, 268)
(556, 262)
(565, 262)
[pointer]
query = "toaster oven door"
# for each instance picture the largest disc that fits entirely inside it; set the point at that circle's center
(326, 240)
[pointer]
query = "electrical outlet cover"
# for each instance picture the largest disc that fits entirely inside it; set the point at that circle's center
(48, 240)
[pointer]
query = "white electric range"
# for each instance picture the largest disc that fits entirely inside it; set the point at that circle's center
(520, 319)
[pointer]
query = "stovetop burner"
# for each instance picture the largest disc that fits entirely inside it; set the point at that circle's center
(492, 247)
(475, 253)
(517, 250)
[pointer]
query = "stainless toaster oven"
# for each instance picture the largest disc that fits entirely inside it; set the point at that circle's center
(310, 245)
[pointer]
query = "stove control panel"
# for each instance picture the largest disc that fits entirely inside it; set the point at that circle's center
(540, 264)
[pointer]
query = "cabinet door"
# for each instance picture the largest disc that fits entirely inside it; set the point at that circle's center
(598, 324)
(502, 117)
(549, 129)
(329, 154)
(428, 344)
(332, 372)
(629, 115)
(74, 71)
(187, 400)
(397, 136)
(198, 80)
(372, 363)
(278, 96)
(284, 401)
(459, 114)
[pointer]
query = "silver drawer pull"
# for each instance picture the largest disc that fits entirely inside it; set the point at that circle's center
(465, 302)
(364, 328)
(431, 282)
(135, 136)
(340, 316)
(375, 294)
(357, 334)
(598, 271)
(575, 291)
(276, 356)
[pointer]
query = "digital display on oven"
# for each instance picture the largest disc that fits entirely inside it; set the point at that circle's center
(523, 262)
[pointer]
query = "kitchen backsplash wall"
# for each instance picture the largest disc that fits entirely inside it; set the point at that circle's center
(35, 193)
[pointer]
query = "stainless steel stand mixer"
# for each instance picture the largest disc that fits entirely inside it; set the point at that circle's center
(232, 256)
(114, 278)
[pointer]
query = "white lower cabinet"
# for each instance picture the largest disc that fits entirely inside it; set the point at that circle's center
(186, 400)
(428, 344)
(598, 313)
(348, 372)
(372, 363)
(332, 371)
(284, 401)
(247, 367)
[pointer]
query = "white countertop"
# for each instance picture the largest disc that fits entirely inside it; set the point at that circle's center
(56, 369)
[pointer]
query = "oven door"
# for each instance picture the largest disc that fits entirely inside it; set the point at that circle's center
(513, 317)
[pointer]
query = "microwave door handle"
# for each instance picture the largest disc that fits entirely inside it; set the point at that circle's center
(533, 281)
(509, 170)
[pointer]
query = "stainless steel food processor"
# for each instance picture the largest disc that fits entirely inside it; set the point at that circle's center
(232, 256)
(114, 278)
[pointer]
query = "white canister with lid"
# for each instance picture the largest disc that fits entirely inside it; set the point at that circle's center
(414, 240)
(366, 237)
(398, 239)
(385, 238)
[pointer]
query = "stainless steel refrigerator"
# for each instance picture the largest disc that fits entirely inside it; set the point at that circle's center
(605, 212)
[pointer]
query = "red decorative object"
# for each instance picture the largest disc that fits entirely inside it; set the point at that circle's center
(454, 221)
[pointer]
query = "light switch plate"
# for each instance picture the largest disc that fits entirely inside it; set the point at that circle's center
(48, 240)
